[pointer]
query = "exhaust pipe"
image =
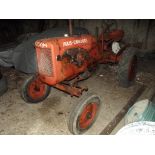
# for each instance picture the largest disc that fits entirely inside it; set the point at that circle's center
(70, 27)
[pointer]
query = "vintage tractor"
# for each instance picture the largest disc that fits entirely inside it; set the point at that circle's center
(64, 61)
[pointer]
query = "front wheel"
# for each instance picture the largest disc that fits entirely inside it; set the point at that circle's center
(34, 90)
(84, 114)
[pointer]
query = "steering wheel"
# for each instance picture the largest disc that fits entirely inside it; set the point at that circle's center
(108, 25)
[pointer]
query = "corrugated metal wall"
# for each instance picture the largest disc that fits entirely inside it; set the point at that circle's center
(136, 31)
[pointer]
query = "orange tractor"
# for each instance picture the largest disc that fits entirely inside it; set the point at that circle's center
(64, 61)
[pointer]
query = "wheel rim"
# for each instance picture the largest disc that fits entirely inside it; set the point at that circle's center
(132, 69)
(88, 116)
(36, 89)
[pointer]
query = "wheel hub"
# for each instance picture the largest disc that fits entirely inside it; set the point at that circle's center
(36, 89)
(88, 115)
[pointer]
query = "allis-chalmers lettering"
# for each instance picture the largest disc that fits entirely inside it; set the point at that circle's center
(74, 42)
(41, 44)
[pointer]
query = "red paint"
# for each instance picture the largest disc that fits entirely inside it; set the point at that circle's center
(36, 89)
(62, 58)
(88, 115)
(62, 70)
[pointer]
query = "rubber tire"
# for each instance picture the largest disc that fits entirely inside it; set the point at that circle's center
(77, 110)
(3, 84)
(123, 67)
(26, 97)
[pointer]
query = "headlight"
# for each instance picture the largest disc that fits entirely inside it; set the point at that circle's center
(116, 47)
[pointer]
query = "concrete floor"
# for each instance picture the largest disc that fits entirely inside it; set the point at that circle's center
(51, 115)
(145, 76)
(148, 93)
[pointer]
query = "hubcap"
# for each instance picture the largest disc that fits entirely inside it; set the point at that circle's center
(88, 115)
(36, 89)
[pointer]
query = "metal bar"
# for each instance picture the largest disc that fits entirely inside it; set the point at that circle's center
(109, 128)
(73, 91)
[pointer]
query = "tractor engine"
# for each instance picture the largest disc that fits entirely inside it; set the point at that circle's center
(63, 58)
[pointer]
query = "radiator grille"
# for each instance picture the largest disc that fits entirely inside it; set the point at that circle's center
(45, 61)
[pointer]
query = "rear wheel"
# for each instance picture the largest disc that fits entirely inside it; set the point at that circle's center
(84, 114)
(127, 67)
(34, 90)
(3, 84)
